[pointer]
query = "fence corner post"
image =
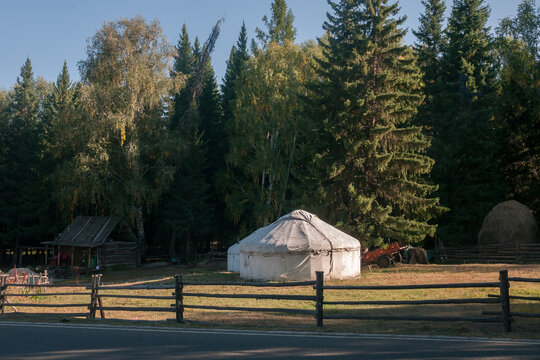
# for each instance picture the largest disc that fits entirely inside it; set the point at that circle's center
(505, 300)
(319, 297)
(179, 297)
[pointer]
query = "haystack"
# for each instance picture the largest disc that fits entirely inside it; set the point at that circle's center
(509, 222)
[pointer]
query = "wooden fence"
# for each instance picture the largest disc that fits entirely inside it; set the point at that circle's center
(98, 292)
(499, 253)
(4, 301)
(179, 294)
(503, 286)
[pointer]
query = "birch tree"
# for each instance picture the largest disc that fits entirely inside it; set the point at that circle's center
(126, 160)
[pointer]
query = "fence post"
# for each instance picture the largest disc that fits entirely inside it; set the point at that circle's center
(3, 289)
(179, 297)
(98, 284)
(319, 297)
(505, 300)
(92, 314)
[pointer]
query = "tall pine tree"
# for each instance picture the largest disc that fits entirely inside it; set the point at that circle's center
(519, 103)
(20, 186)
(428, 49)
(465, 136)
(430, 38)
(371, 161)
(215, 145)
(235, 66)
(63, 139)
(185, 207)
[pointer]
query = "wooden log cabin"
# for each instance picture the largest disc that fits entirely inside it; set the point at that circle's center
(91, 242)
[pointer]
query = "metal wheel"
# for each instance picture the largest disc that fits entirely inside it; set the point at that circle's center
(384, 261)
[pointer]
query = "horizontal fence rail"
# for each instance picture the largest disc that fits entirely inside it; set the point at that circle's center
(235, 308)
(415, 318)
(99, 291)
(518, 279)
(135, 287)
(500, 318)
(415, 302)
(413, 287)
(284, 284)
(254, 296)
(49, 285)
(5, 283)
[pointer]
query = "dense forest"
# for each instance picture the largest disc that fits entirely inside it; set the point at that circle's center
(386, 140)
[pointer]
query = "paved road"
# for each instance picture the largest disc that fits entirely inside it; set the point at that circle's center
(66, 341)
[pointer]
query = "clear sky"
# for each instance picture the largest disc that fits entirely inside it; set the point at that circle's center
(52, 31)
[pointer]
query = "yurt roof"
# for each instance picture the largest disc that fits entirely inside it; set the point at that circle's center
(234, 249)
(298, 232)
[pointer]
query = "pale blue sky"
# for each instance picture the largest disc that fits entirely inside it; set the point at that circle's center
(52, 31)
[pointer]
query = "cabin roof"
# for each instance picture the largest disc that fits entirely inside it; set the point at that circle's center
(90, 231)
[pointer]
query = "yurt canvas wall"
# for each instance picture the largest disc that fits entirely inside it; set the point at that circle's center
(233, 258)
(295, 247)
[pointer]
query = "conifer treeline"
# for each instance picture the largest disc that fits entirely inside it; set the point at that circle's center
(385, 140)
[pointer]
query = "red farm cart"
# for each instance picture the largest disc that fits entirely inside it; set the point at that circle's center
(383, 256)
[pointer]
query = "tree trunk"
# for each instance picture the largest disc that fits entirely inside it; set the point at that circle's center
(172, 245)
(140, 233)
(287, 177)
(17, 242)
(188, 247)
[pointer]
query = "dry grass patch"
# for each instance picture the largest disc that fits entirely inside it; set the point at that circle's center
(399, 275)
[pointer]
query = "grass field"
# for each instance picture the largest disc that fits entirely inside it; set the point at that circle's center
(398, 275)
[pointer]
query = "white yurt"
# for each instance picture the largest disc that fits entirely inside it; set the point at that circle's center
(295, 247)
(233, 258)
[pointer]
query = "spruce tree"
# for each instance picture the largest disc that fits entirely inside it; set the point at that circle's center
(465, 136)
(519, 103)
(428, 49)
(184, 63)
(430, 39)
(62, 141)
(60, 117)
(235, 65)
(21, 184)
(233, 79)
(4, 121)
(185, 207)
(371, 162)
(184, 59)
(215, 146)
